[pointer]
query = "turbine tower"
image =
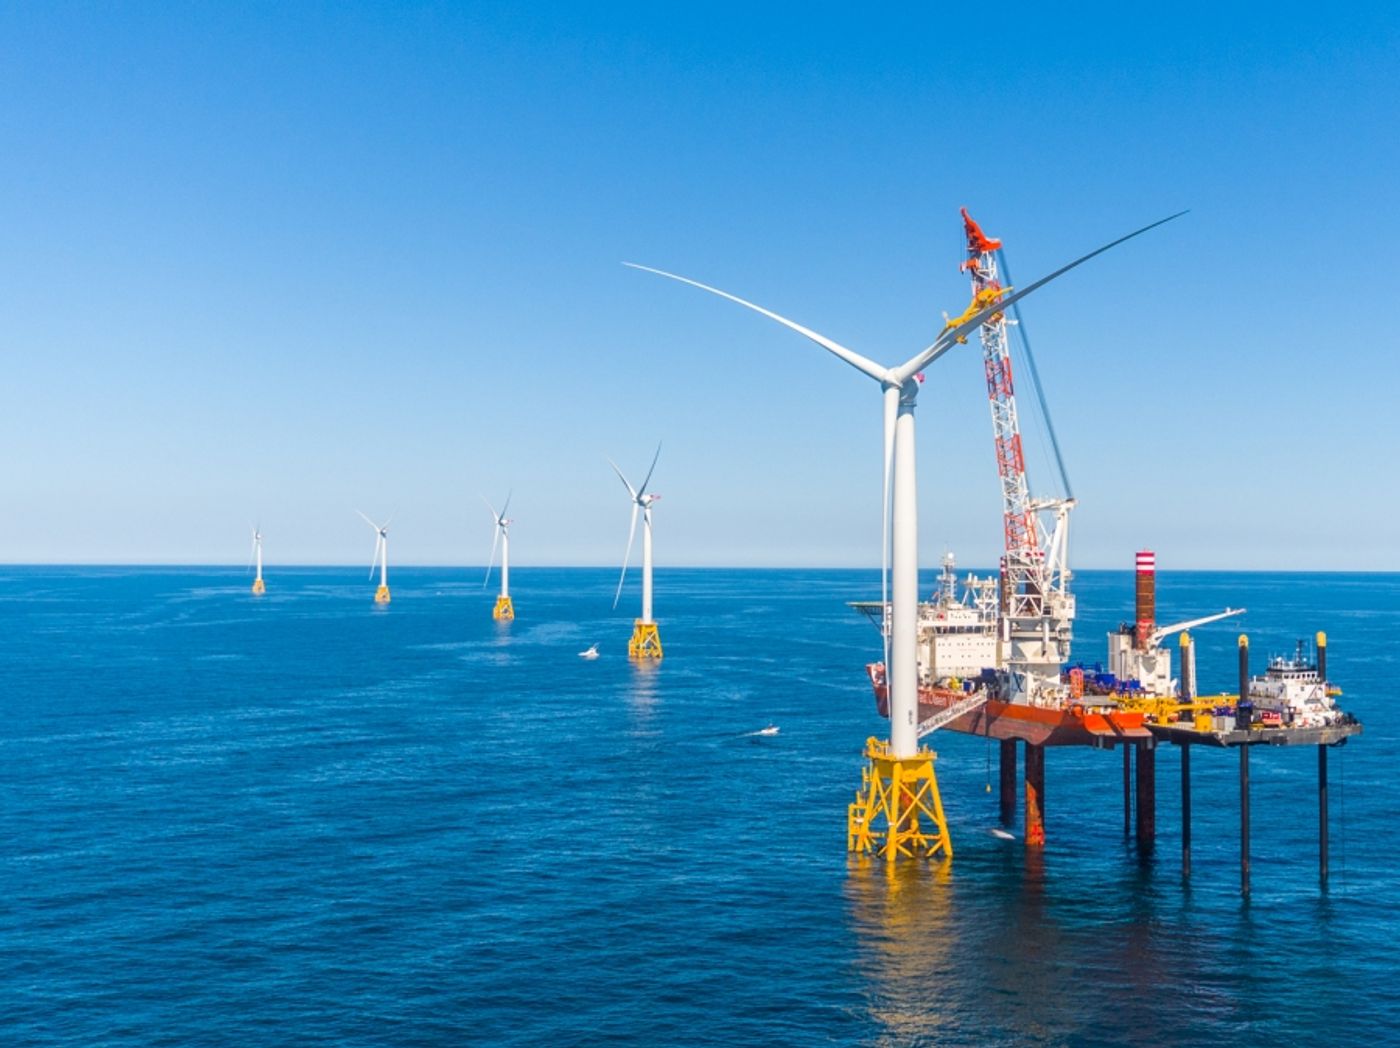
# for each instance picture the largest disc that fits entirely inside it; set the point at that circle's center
(646, 641)
(381, 554)
(258, 587)
(504, 610)
(899, 784)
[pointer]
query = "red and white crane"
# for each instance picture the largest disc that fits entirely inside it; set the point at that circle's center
(1037, 608)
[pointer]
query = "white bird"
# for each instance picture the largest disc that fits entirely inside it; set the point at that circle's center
(589, 653)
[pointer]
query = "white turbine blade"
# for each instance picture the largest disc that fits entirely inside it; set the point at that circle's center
(369, 522)
(949, 338)
(494, 515)
(643, 489)
(492, 562)
(374, 559)
(850, 356)
(630, 489)
(631, 534)
(252, 554)
(506, 508)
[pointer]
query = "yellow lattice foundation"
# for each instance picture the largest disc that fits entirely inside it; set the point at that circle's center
(258, 588)
(898, 811)
(381, 595)
(645, 642)
(504, 610)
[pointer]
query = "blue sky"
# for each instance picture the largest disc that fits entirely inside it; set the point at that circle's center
(279, 262)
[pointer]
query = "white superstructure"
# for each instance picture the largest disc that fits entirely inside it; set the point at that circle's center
(1294, 688)
(958, 634)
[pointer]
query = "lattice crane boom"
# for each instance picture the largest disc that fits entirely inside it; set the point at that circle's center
(1038, 608)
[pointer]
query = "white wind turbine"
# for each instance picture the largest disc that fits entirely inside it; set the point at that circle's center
(646, 641)
(504, 610)
(258, 586)
(381, 554)
(900, 388)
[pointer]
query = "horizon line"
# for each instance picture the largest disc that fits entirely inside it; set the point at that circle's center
(329, 566)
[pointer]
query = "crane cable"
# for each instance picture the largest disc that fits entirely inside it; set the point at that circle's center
(1035, 375)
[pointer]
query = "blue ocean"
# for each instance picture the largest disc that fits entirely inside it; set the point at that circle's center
(302, 819)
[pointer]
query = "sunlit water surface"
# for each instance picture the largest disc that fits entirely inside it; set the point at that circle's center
(302, 819)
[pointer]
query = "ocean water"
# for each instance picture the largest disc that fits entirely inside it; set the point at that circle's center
(302, 819)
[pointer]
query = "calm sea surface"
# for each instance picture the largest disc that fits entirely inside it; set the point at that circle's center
(302, 819)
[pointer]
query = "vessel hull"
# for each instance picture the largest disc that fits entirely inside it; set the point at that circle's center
(1072, 725)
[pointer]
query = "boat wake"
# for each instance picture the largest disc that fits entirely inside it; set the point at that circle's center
(772, 729)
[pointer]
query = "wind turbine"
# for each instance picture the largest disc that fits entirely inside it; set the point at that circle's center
(381, 554)
(258, 587)
(646, 641)
(899, 386)
(504, 610)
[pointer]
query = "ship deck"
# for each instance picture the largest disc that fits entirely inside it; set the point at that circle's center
(1186, 735)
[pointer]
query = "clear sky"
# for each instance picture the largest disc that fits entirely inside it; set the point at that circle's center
(277, 262)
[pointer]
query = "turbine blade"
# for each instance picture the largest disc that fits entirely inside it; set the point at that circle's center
(374, 558)
(252, 554)
(369, 522)
(506, 508)
(850, 356)
(947, 339)
(630, 489)
(643, 489)
(494, 515)
(492, 562)
(631, 534)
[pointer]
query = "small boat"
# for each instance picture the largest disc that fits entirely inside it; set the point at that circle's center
(589, 653)
(772, 729)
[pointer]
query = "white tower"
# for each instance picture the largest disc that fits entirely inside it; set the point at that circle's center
(258, 587)
(381, 554)
(504, 610)
(646, 640)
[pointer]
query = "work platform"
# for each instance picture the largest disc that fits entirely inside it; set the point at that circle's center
(1187, 735)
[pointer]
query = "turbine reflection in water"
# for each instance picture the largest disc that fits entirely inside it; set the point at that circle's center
(902, 914)
(641, 695)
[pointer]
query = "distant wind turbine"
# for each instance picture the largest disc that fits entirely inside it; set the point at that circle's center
(381, 554)
(504, 610)
(258, 587)
(646, 641)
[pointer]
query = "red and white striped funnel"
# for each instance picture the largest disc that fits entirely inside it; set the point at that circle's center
(1146, 596)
